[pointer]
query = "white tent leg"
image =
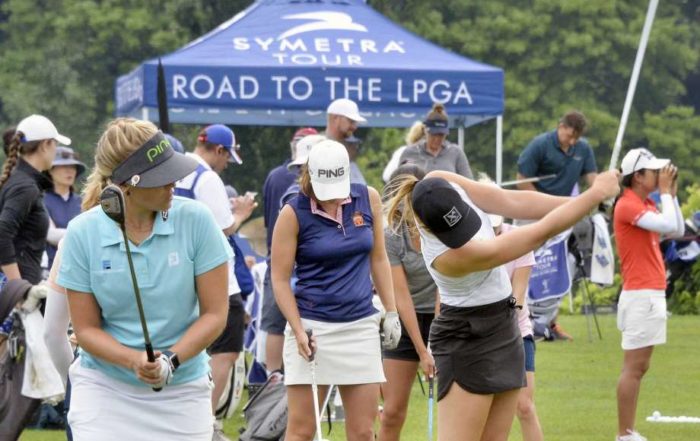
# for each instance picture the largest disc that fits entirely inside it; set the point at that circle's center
(499, 149)
(144, 113)
(460, 137)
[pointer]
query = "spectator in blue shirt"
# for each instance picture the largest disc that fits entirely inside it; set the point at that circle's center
(563, 153)
(62, 203)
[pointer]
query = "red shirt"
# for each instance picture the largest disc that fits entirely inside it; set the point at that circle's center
(640, 256)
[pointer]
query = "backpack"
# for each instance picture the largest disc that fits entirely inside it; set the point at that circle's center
(266, 412)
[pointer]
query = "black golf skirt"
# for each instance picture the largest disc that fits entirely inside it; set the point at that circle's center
(478, 347)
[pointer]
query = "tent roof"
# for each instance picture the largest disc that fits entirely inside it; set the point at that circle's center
(283, 61)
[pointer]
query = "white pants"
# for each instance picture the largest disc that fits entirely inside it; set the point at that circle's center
(641, 316)
(106, 409)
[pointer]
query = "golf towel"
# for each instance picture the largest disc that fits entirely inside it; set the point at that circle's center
(603, 262)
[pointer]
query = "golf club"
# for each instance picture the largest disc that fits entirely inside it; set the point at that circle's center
(113, 205)
(314, 387)
(431, 395)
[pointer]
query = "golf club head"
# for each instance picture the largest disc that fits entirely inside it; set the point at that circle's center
(112, 203)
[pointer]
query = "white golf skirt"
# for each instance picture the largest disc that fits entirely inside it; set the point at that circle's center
(347, 353)
(105, 409)
(641, 316)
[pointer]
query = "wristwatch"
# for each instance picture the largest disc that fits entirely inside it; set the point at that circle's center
(174, 360)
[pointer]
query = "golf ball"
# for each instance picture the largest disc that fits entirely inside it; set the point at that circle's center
(656, 414)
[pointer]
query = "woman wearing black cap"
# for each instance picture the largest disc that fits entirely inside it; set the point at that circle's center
(434, 152)
(180, 261)
(475, 340)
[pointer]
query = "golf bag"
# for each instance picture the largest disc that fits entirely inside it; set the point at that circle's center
(266, 411)
(550, 281)
(15, 409)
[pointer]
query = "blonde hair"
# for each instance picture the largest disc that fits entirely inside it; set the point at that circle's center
(399, 208)
(415, 133)
(437, 112)
(120, 139)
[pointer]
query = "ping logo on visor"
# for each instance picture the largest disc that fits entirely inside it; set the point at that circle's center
(152, 153)
(157, 149)
(452, 217)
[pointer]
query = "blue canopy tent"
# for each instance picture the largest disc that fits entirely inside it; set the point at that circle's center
(280, 62)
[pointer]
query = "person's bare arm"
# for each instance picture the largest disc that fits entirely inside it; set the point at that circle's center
(520, 281)
(514, 204)
(212, 292)
(478, 255)
(87, 324)
(283, 255)
(11, 271)
(379, 262)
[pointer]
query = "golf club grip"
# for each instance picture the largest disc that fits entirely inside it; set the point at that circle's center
(309, 333)
(152, 357)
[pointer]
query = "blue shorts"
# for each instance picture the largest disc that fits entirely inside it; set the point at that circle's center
(529, 346)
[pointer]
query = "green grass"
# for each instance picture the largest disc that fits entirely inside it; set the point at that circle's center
(576, 388)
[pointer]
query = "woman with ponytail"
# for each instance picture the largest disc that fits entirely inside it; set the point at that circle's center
(180, 258)
(475, 341)
(434, 152)
(24, 221)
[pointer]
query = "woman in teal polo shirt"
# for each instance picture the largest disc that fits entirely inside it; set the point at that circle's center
(179, 257)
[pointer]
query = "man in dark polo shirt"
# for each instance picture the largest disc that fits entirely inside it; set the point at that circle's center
(561, 152)
(566, 155)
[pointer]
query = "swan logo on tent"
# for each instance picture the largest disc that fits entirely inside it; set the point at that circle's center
(322, 21)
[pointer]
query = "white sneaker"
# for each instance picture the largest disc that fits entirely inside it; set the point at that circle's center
(631, 436)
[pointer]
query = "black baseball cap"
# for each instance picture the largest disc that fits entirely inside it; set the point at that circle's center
(154, 164)
(440, 208)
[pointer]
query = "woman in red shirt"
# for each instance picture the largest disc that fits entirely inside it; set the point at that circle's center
(641, 314)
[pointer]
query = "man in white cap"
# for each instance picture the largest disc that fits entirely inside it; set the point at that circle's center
(343, 117)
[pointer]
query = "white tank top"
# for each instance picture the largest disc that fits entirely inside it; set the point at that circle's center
(473, 289)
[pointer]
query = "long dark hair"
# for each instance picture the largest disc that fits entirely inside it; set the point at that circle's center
(16, 148)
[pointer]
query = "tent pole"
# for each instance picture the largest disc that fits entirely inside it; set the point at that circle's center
(460, 137)
(499, 149)
(144, 113)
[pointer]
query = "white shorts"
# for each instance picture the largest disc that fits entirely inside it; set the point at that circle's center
(641, 316)
(106, 409)
(347, 353)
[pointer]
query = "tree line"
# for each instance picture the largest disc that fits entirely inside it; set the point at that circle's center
(61, 58)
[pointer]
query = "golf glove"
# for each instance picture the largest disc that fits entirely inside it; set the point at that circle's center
(391, 328)
(166, 371)
(34, 296)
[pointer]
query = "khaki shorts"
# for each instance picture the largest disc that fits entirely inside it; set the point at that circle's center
(641, 317)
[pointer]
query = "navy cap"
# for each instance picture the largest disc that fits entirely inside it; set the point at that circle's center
(437, 126)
